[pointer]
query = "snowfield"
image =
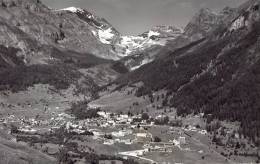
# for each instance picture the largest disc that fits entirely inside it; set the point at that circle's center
(153, 33)
(134, 43)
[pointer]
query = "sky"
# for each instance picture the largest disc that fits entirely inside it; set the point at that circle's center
(132, 17)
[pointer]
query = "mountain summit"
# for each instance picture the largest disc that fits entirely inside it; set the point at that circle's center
(202, 23)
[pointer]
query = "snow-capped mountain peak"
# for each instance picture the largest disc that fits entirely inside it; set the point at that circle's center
(80, 11)
(99, 27)
(163, 32)
(124, 45)
(157, 36)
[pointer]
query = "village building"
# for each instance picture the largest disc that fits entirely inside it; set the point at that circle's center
(28, 130)
(122, 133)
(182, 140)
(143, 137)
(104, 114)
(109, 142)
(203, 132)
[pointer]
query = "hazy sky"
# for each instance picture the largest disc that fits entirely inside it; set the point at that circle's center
(137, 16)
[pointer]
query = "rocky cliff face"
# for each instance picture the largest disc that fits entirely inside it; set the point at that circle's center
(100, 27)
(201, 24)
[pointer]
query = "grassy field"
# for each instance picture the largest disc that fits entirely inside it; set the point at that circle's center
(41, 100)
(125, 100)
(191, 152)
(120, 101)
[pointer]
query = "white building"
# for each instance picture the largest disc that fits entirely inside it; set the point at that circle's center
(109, 142)
(28, 129)
(122, 133)
(104, 114)
(203, 132)
(141, 134)
(182, 140)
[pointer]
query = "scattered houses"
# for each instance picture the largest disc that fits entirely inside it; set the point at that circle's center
(121, 129)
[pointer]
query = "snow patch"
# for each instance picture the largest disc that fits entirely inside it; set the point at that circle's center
(145, 61)
(239, 23)
(105, 36)
(73, 9)
(94, 33)
(153, 33)
(131, 41)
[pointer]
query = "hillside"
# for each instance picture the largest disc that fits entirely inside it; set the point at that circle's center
(13, 153)
(217, 75)
(31, 26)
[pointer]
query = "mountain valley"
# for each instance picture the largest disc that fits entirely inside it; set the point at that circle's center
(73, 89)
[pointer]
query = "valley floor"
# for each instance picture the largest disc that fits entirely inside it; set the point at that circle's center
(120, 131)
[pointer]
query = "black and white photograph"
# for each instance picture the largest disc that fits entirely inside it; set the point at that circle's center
(129, 81)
